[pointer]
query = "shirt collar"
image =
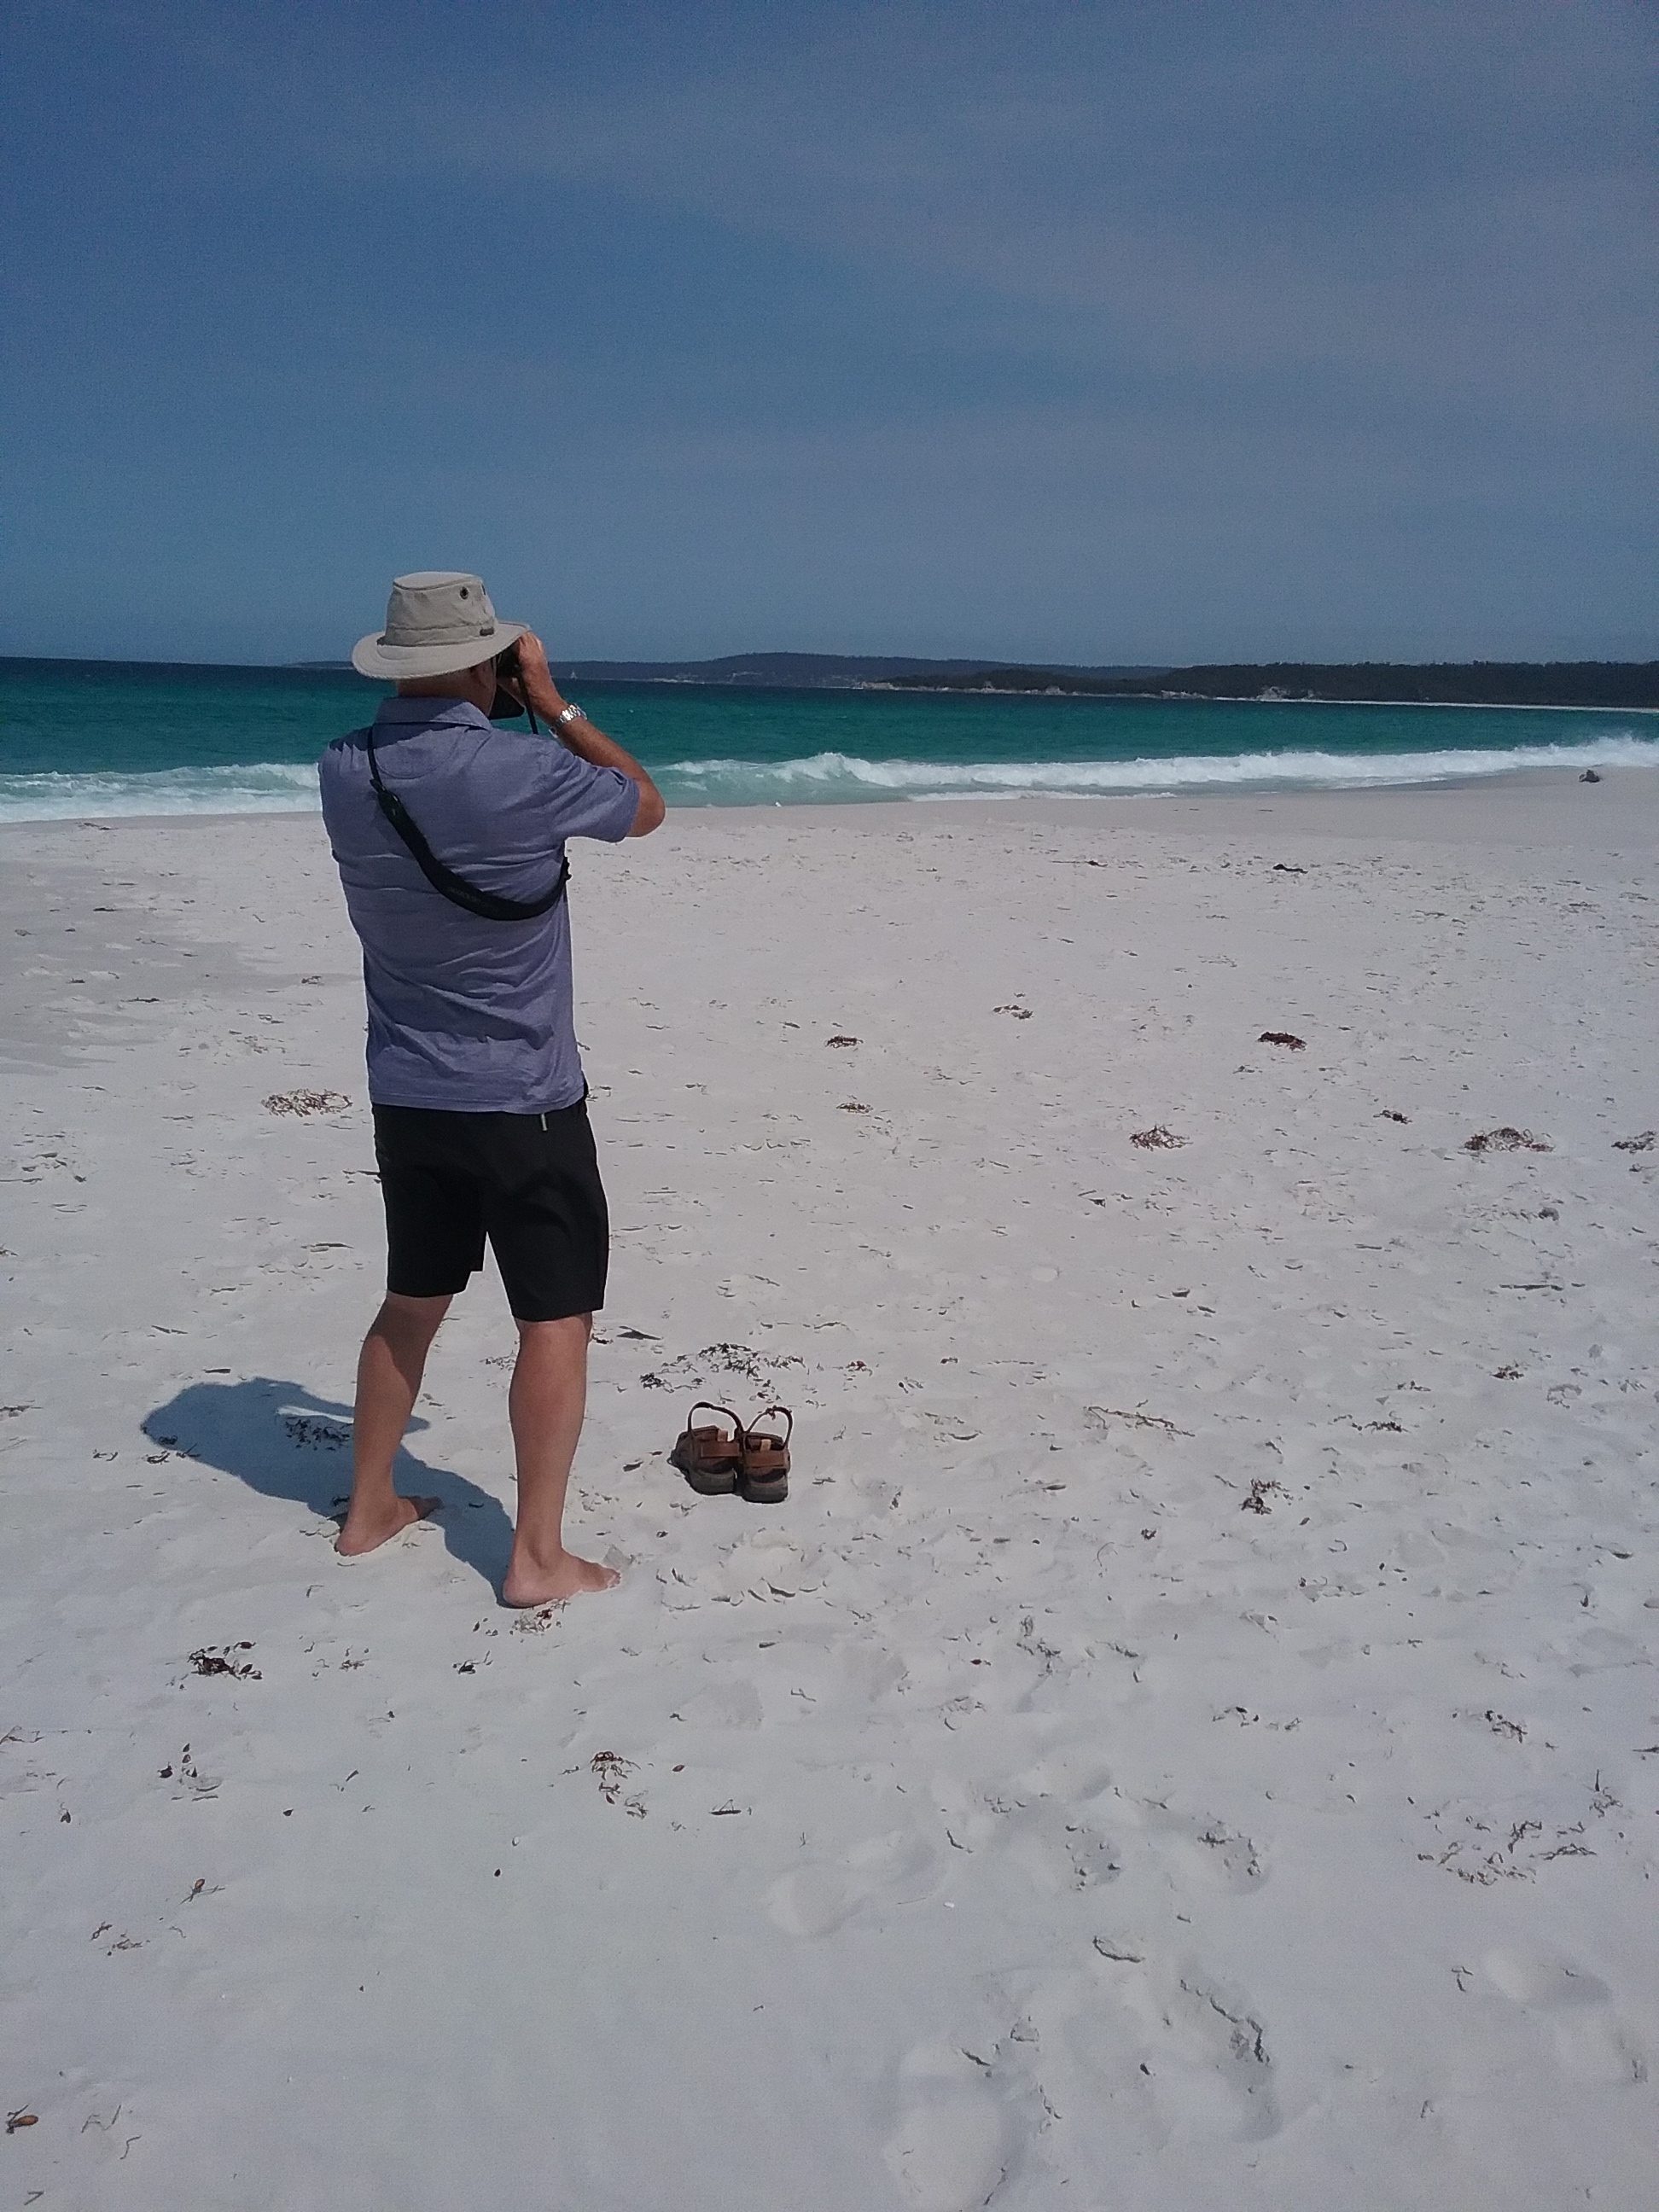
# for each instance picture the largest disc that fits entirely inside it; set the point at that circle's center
(412, 713)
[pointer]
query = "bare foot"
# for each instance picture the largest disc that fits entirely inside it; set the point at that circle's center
(529, 1585)
(362, 1532)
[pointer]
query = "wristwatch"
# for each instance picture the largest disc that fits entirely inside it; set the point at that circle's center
(569, 714)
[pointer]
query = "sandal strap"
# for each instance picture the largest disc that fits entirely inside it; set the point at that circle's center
(753, 1434)
(710, 1444)
(703, 1406)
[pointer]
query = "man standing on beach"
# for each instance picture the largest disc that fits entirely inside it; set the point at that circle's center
(449, 833)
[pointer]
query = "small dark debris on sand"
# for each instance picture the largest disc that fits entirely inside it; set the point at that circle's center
(1645, 1143)
(308, 1102)
(1137, 1420)
(305, 1429)
(1283, 1037)
(1505, 1141)
(208, 1660)
(739, 1359)
(851, 1106)
(1510, 1374)
(1157, 1139)
(1285, 868)
(1589, 776)
(1388, 1114)
(1257, 1501)
(840, 1040)
(1020, 1013)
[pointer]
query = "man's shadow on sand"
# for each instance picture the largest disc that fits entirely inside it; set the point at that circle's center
(285, 1441)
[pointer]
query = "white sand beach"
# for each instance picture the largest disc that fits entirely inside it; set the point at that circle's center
(1190, 1738)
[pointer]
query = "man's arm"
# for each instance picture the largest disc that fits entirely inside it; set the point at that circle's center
(582, 738)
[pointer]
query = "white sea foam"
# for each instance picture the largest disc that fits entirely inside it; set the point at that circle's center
(262, 787)
(290, 788)
(829, 777)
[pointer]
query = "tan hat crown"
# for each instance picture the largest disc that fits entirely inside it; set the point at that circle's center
(436, 607)
(436, 620)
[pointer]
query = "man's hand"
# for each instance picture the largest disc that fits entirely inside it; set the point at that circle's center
(536, 685)
(581, 736)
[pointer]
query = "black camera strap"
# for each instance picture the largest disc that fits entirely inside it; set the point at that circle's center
(456, 889)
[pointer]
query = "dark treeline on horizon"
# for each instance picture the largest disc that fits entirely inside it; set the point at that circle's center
(1610, 683)
(1440, 684)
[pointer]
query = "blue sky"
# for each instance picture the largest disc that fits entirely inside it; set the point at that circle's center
(1068, 332)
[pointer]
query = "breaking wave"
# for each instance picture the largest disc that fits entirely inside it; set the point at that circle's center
(828, 778)
(837, 777)
(264, 787)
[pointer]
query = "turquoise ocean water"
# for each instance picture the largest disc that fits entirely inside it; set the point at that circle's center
(100, 739)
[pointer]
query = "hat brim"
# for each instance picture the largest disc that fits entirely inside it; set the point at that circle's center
(372, 656)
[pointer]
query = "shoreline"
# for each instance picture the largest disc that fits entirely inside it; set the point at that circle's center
(1636, 787)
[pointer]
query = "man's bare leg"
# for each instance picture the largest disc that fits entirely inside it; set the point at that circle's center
(389, 1370)
(545, 1404)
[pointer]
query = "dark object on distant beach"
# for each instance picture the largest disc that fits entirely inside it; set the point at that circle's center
(1284, 868)
(1020, 1013)
(1589, 776)
(1388, 1114)
(1505, 1141)
(840, 1040)
(1283, 1037)
(1645, 1143)
(1157, 1139)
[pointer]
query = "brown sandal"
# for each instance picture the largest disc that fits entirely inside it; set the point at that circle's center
(764, 1480)
(710, 1459)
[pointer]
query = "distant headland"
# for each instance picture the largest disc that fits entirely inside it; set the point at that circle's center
(1612, 684)
(1627, 685)
(1616, 683)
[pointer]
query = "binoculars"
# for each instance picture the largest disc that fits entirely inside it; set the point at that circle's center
(504, 707)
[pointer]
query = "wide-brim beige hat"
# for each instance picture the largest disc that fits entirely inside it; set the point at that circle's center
(436, 621)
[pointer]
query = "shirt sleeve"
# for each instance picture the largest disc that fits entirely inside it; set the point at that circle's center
(585, 801)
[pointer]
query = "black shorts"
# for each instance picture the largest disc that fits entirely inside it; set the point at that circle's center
(529, 1183)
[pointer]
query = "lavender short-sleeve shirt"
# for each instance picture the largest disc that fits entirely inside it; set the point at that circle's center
(467, 1015)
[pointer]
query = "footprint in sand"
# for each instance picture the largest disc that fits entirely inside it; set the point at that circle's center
(769, 1564)
(1206, 1849)
(1189, 2049)
(1045, 1821)
(950, 2152)
(734, 1704)
(817, 1900)
(1057, 1853)
(1591, 2042)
